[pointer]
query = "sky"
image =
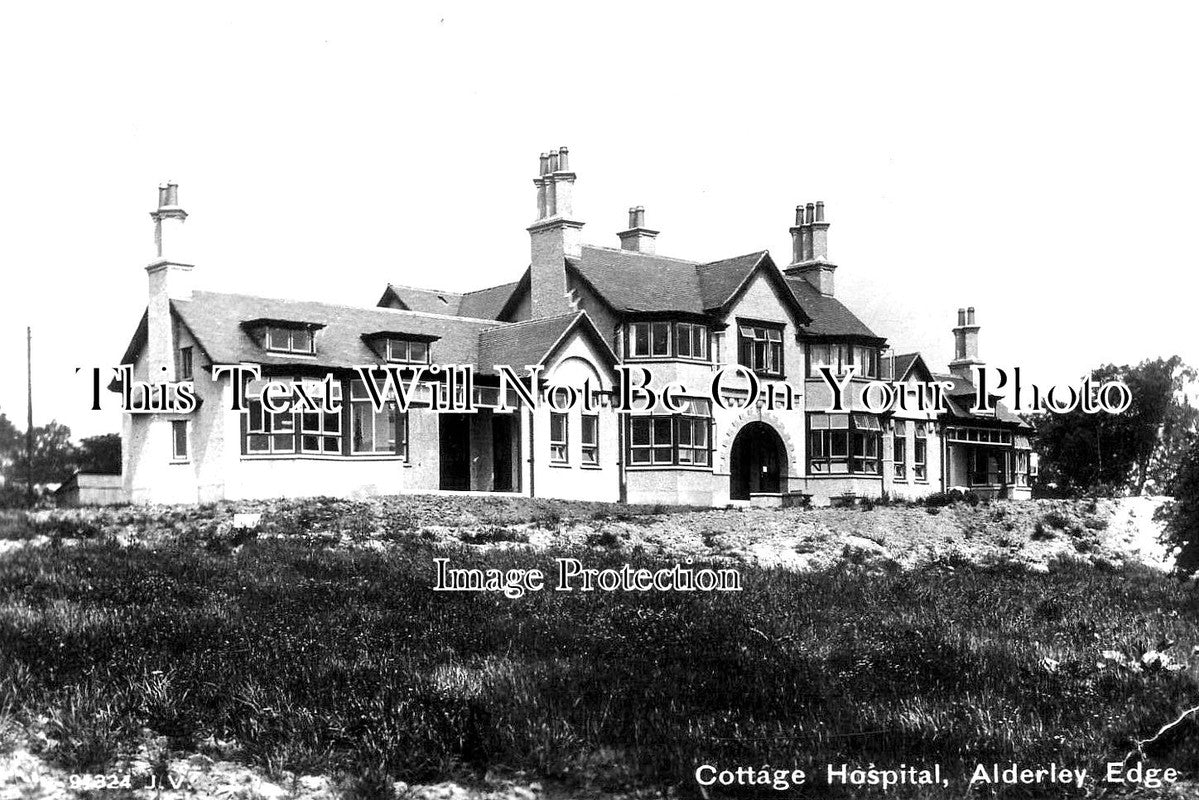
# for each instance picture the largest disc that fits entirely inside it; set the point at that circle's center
(1036, 161)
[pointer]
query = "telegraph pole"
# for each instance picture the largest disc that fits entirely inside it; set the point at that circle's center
(29, 415)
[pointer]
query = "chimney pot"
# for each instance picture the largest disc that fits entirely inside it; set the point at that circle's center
(563, 159)
(970, 315)
(553, 161)
(820, 211)
(961, 316)
(809, 213)
(799, 215)
(545, 163)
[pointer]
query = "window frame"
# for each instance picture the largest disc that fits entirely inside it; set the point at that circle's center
(178, 425)
(899, 451)
(696, 333)
(560, 448)
(391, 356)
(920, 453)
(651, 454)
(186, 371)
(747, 347)
(854, 445)
(590, 451)
(399, 423)
(271, 346)
(842, 356)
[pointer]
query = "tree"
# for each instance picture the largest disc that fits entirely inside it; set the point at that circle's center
(1139, 448)
(101, 454)
(1182, 514)
(9, 437)
(55, 456)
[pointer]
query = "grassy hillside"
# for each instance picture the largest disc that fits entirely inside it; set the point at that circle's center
(288, 650)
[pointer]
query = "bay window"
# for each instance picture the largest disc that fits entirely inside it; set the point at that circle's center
(843, 444)
(682, 439)
(842, 358)
(661, 339)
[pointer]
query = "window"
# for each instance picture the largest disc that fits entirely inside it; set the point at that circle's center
(920, 453)
(289, 340)
(590, 439)
(320, 432)
(761, 348)
(559, 453)
(179, 440)
(842, 358)
(691, 341)
(844, 444)
(668, 340)
(407, 351)
(185, 364)
(269, 433)
(899, 451)
(383, 432)
(682, 439)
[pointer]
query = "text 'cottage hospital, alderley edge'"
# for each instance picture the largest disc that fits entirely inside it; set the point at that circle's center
(580, 312)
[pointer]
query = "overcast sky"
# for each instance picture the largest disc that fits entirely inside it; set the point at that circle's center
(1037, 161)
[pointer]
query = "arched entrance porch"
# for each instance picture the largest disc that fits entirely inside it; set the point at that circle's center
(757, 462)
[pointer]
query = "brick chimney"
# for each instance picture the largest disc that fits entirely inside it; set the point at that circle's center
(638, 238)
(554, 236)
(809, 248)
(170, 278)
(965, 345)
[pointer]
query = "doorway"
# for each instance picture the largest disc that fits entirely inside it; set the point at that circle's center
(757, 462)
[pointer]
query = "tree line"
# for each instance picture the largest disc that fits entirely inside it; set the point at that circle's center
(55, 458)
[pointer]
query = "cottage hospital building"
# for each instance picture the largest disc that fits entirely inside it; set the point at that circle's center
(577, 311)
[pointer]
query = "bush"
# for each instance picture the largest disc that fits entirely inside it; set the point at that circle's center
(1056, 520)
(492, 535)
(1182, 514)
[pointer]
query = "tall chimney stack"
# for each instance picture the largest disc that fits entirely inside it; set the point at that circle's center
(170, 278)
(554, 236)
(809, 248)
(965, 346)
(638, 238)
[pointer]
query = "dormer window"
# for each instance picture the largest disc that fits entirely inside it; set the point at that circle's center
(407, 351)
(290, 340)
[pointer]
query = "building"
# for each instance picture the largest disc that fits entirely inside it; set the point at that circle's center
(91, 489)
(581, 313)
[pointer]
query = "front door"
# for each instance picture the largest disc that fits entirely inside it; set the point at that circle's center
(756, 462)
(454, 451)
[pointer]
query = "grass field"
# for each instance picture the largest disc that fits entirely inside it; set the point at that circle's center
(293, 655)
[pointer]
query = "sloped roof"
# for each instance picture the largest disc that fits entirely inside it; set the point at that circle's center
(430, 301)
(487, 303)
(215, 320)
(958, 407)
(906, 362)
(719, 281)
(529, 343)
(829, 315)
(638, 282)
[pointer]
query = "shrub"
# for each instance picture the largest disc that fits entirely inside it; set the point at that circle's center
(606, 539)
(492, 535)
(1056, 520)
(1040, 532)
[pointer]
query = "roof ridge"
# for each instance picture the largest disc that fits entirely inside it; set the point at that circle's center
(643, 255)
(382, 309)
(391, 285)
(508, 325)
(489, 288)
(733, 258)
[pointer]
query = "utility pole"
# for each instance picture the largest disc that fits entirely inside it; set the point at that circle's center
(29, 415)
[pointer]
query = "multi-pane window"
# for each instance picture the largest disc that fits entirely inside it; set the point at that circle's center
(185, 364)
(682, 439)
(268, 432)
(589, 438)
(760, 348)
(320, 431)
(668, 340)
(899, 450)
(289, 340)
(1021, 458)
(559, 434)
(691, 341)
(844, 444)
(406, 351)
(920, 453)
(383, 431)
(179, 440)
(842, 358)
